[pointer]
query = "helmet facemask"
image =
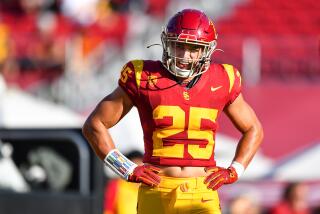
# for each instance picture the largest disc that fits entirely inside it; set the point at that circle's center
(177, 64)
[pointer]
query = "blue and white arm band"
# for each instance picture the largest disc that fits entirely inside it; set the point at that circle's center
(119, 163)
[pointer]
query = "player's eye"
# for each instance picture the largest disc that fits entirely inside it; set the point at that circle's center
(180, 46)
(195, 49)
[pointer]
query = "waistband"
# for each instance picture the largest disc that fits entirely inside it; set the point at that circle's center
(184, 183)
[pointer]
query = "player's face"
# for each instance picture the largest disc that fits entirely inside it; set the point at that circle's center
(186, 54)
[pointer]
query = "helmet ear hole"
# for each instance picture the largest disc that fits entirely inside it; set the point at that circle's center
(214, 44)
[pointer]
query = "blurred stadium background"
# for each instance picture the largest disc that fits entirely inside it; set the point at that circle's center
(58, 58)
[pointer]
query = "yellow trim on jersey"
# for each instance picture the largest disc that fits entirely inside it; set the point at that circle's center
(230, 72)
(239, 76)
(138, 66)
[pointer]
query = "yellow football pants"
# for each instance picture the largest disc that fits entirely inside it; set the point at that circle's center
(178, 196)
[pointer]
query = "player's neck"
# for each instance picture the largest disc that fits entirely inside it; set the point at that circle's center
(187, 82)
(184, 81)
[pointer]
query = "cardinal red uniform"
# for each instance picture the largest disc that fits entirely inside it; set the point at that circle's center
(179, 100)
(179, 124)
(179, 127)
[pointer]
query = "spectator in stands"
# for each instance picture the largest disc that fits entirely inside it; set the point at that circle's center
(32, 43)
(8, 64)
(120, 197)
(294, 200)
(244, 204)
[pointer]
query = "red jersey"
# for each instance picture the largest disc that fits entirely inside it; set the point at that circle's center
(179, 124)
(284, 207)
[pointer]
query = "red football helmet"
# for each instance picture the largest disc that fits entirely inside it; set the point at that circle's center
(188, 27)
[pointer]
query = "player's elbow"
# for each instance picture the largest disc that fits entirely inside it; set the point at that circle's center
(86, 128)
(94, 125)
(258, 133)
(89, 126)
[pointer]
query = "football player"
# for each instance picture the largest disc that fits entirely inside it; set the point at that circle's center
(179, 100)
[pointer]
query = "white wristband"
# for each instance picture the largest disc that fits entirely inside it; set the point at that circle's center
(238, 167)
(119, 163)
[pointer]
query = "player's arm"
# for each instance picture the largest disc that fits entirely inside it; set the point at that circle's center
(108, 113)
(246, 121)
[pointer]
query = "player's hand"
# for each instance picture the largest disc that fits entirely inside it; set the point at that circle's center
(146, 174)
(220, 176)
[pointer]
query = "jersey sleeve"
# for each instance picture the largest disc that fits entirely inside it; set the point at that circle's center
(129, 79)
(234, 82)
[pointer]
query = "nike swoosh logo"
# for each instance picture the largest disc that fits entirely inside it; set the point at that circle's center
(215, 88)
(205, 200)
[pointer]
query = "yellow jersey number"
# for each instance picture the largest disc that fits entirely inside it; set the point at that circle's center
(178, 123)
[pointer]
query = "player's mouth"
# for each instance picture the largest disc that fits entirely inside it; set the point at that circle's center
(183, 65)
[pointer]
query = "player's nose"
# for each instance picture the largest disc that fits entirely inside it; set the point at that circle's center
(187, 54)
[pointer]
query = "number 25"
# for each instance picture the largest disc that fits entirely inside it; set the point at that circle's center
(178, 124)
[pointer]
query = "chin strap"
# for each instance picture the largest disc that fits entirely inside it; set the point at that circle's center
(193, 81)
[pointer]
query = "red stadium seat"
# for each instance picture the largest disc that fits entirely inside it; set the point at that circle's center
(288, 32)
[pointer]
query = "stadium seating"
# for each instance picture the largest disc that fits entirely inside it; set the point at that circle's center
(288, 32)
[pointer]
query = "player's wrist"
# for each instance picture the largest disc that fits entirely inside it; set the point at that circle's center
(238, 167)
(119, 164)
